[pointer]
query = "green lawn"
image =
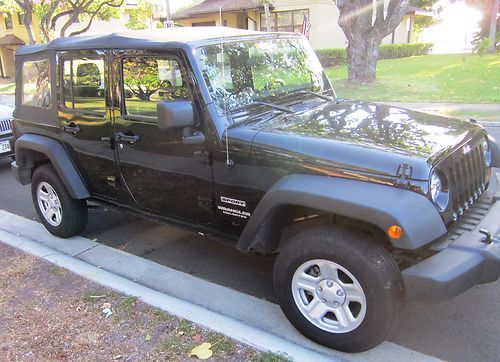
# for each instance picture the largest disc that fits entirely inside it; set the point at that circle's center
(428, 78)
(8, 88)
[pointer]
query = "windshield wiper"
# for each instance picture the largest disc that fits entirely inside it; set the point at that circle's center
(319, 95)
(275, 106)
(250, 119)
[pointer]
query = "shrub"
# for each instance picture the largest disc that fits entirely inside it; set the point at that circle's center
(482, 46)
(394, 51)
(333, 57)
(85, 91)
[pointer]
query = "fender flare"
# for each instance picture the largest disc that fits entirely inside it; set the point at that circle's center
(57, 155)
(377, 204)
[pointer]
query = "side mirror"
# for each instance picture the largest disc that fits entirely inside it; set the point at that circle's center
(175, 114)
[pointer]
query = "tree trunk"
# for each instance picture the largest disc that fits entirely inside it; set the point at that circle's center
(364, 34)
(28, 19)
(27, 8)
(363, 57)
(493, 27)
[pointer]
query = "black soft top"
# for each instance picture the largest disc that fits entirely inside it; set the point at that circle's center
(141, 39)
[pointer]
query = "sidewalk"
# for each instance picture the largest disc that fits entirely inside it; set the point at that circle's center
(488, 112)
(7, 99)
(465, 107)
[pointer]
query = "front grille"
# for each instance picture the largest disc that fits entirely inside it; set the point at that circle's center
(467, 178)
(5, 126)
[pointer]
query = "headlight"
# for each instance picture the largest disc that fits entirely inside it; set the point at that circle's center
(486, 151)
(438, 190)
(435, 186)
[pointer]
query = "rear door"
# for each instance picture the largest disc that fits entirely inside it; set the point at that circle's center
(162, 174)
(85, 118)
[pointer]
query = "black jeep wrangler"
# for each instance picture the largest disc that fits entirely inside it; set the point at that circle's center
(239, 135)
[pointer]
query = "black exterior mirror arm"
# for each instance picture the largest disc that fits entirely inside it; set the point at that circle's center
(197, 138)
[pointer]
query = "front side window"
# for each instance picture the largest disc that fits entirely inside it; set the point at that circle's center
(149, 80)
(36, 83)
(239, 73)
(84, 88)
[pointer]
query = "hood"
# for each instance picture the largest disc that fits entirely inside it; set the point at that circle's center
(369, 137)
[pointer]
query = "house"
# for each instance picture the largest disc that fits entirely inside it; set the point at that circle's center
(13, 34)
(286, 15)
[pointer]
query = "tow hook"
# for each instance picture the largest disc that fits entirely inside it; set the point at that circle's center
(487, 237)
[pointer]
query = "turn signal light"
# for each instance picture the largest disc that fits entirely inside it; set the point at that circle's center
(395, 231)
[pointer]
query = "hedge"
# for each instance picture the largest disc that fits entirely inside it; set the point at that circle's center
(332, 57)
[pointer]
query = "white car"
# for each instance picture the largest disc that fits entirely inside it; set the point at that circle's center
(6, 146)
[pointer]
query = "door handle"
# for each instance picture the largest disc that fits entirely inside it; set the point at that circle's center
(130, 139)
(72, 128)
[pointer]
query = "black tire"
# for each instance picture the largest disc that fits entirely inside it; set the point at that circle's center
(372, 266)
(73, 211)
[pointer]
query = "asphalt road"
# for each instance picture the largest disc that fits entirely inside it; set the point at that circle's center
(466, 328)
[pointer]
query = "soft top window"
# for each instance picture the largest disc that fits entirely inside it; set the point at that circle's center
(84, 85)
(36, 83)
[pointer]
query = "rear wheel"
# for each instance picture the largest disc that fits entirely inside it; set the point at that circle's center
(339, 288)
(60, 214)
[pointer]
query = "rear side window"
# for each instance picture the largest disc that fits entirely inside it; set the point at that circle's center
(83, 85)
(36, 83)
(149, 80)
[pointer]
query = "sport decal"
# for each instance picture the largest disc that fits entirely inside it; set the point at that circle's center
(236, 202)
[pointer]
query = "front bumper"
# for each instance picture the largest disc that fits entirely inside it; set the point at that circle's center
(463, 258)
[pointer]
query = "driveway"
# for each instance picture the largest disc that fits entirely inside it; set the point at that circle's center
(8, 99)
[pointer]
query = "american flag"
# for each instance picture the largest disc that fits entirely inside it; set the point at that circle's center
(306, 26)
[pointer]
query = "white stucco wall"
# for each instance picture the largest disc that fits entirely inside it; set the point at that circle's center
(323, 15)
(325, 31)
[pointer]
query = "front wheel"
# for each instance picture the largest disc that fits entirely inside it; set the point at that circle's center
(339, 288)
(62, 215)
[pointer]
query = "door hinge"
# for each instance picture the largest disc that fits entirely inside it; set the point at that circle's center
(404, 175)
(206, 203)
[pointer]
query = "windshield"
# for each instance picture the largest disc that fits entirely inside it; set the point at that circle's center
(259, 70)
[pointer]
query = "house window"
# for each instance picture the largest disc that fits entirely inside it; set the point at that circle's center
(36, 84)
(8, 21)
(290, 21)
(204, 23)
(20, 18)
(84, 88)
(149, 80)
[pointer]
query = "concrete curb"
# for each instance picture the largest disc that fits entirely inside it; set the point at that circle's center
(269, 331)
(490, 123)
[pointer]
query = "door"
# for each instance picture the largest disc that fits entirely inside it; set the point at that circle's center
(85, 119)
(161, 173)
